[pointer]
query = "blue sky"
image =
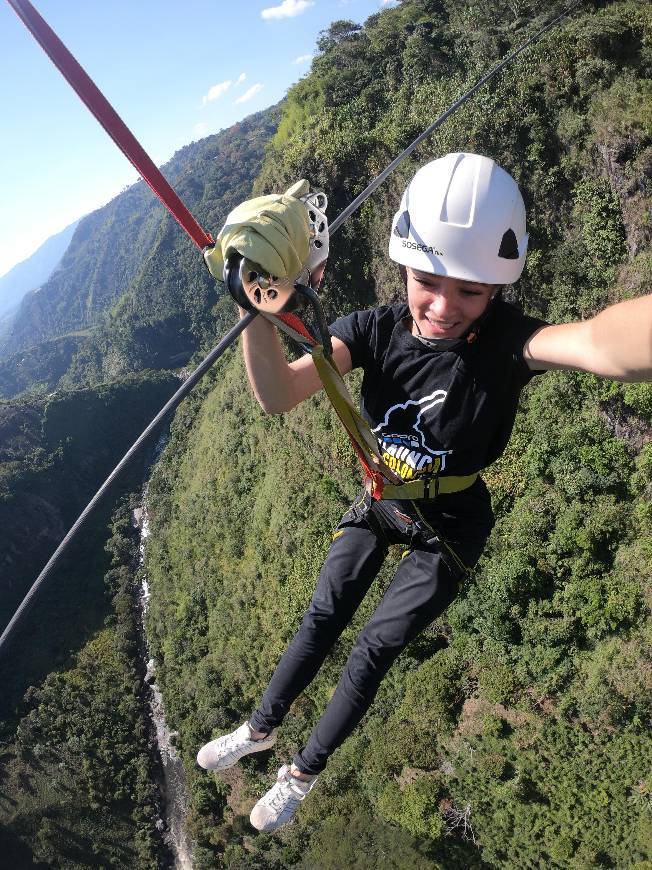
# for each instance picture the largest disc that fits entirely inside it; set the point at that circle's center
(174, 71)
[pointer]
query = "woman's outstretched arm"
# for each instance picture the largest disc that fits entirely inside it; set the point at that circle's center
(616, 343)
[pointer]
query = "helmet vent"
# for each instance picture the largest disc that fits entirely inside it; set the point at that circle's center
(509, 246)
(402, 228)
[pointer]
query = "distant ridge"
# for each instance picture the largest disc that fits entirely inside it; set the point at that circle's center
(35, 270)
(131, 244)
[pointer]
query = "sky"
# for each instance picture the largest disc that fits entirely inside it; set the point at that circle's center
(174, 70)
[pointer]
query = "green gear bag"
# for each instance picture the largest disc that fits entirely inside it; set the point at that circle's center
(272, 231)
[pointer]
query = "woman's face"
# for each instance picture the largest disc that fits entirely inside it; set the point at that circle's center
(444, 307)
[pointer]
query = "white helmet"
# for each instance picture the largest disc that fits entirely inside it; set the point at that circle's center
(462, 216)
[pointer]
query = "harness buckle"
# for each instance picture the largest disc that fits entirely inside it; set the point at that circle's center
(428, 479)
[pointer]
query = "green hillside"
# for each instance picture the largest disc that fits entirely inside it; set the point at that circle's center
(131, 275)
(55, 454)
(79, 784)
(515, 732)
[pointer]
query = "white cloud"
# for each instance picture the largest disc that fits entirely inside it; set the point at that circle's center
(388, 2)
(287, 9)
(253, 90)
(200, 129)
(240, 79)
(216, 91)
(303, 58)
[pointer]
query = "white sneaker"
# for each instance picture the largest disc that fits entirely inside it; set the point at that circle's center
(228, 750)
(280, 803)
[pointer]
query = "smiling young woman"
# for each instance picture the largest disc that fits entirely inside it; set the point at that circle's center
(442, 377)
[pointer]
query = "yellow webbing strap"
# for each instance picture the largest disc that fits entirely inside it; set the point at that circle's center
(352, 420)
(429, 488)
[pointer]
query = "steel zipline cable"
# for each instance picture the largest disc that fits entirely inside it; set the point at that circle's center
(378, 180)
(122, 136)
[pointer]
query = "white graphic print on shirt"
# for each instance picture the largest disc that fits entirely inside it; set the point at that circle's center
(403, 442)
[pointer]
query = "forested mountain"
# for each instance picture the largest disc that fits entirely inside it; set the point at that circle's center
(35, 270)
(131, 277)
(78, 786)
(39, 368)
(515, 732)
(54, 454)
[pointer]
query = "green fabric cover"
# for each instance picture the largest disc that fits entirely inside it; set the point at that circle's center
(272, 231)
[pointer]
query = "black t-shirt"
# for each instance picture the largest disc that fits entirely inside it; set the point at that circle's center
(447, 406)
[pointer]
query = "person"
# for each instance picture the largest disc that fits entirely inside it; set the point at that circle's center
(442, 375)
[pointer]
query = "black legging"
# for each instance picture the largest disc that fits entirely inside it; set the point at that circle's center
(425, 583)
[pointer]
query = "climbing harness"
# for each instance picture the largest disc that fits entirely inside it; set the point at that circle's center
(380, 477)
(429, 486)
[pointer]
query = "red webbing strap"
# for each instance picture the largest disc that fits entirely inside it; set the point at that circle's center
(375, 478)
(294, 327)
(95, 100)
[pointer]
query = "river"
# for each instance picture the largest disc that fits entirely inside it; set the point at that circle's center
(172, 824)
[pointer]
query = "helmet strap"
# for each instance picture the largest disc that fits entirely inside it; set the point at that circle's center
(474, 329)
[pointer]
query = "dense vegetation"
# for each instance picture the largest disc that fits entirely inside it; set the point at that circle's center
(40, 368)
(55, 454)
(79, 782)
(515, 731)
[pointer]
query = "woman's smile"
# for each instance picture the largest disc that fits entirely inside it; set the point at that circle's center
(444, 307)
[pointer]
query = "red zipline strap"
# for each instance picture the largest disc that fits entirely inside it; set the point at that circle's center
(294, 327)
(95, 100)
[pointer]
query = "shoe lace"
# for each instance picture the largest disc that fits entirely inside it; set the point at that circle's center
(284, 796)
(232, 745)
